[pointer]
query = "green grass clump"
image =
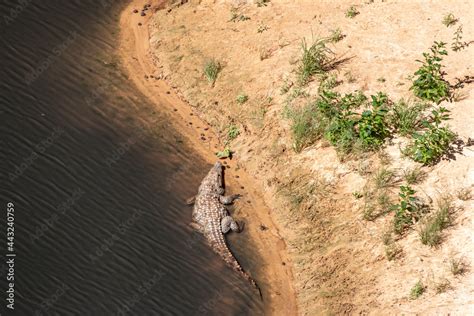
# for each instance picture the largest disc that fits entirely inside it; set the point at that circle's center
(352, 12)
(407, 212)
(384, 178)
(315, 59)
(414, 176)
(457, 266)
(307, 126)
(428, 147)
(406, 118)
(430, 233)
(449, 20)
(242, 98)
(417, 290)
(211, 70)
(428, 83)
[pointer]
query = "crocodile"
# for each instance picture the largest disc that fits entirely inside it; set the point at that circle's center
(212, 219)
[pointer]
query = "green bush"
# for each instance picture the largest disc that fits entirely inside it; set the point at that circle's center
(428, 147)
(373, 125)
(407, 212)
(428, 83)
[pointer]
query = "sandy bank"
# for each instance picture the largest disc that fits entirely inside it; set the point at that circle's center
(271, 266)
(322, 203)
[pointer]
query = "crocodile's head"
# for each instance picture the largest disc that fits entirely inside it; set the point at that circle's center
(213, 183)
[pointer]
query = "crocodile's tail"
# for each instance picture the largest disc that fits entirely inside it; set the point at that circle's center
(219, 245)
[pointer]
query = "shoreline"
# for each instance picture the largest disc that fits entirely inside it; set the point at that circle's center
(276, 270)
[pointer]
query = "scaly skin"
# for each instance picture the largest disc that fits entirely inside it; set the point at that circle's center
(213, 219)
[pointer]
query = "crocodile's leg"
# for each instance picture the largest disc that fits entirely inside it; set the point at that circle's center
(228, 223)
(228, 199)
(191, 200)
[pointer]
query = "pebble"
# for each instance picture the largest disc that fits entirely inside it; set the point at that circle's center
(135, 11)
(143, 13)
(237, 177)
(146, 77)
(203, 138)
(242, 188)
(139, 24)
(168, 92)
(190, 123)
(191, 114)
(176, 110)
(206, 128)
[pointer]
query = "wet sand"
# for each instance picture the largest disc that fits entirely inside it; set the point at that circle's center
(274, 273)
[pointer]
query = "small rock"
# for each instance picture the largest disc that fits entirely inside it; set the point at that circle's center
(143, 13)
(135, 11)
(139, 24)
(262, 227)
(168, 92)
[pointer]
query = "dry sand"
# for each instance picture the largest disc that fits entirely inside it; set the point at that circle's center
(338, 259)
(270, 265)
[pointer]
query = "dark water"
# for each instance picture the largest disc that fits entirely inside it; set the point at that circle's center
(97, 178)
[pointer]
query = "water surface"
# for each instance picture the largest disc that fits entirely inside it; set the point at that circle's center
(98, 178)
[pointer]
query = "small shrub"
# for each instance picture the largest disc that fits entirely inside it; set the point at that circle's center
(429, 83)
(226, 153)
(262, 28)
(387, 238)
(285, 87)
(442, 286)
(232, 132)
(449, 20)
(236, 16)
(315, 59)
(328, 82)
(373, 125)
(414, 176)
(428, 147)
(457, 266)
(262, 3)
(457, 43)
(430, 233)
(407, 212)
(406, 118)
(352, 12)
(417, 290)
(242, 98)
(211, 70)
(464, 194)
(384, 178)
(357, 195)
(392, 251)
(336, 36)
